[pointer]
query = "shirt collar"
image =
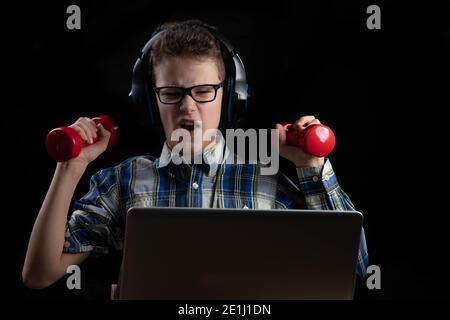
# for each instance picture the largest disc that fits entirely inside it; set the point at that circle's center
(213, 155)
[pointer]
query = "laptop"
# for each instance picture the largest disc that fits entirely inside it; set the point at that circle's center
(197, 253)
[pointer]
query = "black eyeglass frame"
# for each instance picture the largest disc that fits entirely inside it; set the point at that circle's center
(188, 91)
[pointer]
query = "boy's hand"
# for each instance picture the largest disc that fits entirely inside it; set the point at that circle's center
(88, 130)
(295, 154)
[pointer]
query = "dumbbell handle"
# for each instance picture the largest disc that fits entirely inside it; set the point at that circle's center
(317, 139)
(65, 143)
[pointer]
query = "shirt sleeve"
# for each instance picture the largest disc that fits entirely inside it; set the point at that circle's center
(96, 225)
(321, 191)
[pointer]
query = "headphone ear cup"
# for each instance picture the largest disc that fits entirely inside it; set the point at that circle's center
(240, 116)
(227, 100)
(137, 96)
(142, 97)
(152, 105)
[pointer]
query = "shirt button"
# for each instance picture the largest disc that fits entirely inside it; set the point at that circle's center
(315, 178)
(67, 244)
(195, 185)
(67, 234)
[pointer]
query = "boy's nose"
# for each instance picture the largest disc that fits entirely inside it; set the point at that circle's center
(188, 104)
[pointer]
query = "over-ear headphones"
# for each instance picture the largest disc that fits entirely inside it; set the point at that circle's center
(235, 95)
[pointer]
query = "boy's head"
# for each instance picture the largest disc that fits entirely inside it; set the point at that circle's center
(187, 55)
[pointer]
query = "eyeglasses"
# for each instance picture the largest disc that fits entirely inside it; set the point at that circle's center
(201, 93)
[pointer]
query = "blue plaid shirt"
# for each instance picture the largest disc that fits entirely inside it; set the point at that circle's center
(98, 221)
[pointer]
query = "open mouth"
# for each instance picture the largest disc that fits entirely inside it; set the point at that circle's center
(188, 126)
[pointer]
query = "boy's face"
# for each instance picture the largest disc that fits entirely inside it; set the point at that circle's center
(187, 72)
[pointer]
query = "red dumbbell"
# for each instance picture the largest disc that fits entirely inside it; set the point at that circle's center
(317, 139)
(65, 143)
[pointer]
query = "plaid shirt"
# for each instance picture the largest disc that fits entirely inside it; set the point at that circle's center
(98, 221)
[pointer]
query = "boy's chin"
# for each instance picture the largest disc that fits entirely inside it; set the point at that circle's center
(198, 148)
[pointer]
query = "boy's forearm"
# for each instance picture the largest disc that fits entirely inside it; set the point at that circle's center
(47, 238)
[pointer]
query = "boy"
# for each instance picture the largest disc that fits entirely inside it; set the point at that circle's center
(188, 73)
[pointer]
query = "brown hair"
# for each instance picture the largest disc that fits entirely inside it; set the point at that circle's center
(190, 38)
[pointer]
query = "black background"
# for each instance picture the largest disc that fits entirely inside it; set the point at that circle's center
(382, 91)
